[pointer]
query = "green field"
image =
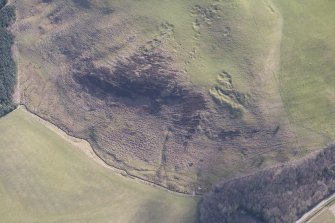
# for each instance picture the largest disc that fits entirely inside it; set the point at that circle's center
(44, 178)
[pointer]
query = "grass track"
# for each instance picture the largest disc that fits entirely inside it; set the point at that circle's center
(44, 178)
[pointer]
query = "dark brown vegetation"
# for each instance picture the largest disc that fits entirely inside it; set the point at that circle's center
(277, 195)
(144, 82)
(143, 86)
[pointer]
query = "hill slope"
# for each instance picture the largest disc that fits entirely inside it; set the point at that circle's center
(306, 83)
(177, 95)
(307, 79)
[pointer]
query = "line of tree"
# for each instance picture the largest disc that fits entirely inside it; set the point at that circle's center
(7, 64)
(278, 195)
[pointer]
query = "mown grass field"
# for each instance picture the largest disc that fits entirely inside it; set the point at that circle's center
(44, 178)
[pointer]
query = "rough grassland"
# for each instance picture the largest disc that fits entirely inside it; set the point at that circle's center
(45, 179)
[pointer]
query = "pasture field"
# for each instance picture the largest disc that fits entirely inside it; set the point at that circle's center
(45, 178)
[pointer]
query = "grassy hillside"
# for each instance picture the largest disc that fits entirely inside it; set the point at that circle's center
(307, 76)
(185, 93)
(44, 178)
(306, 85)
(181, 93)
